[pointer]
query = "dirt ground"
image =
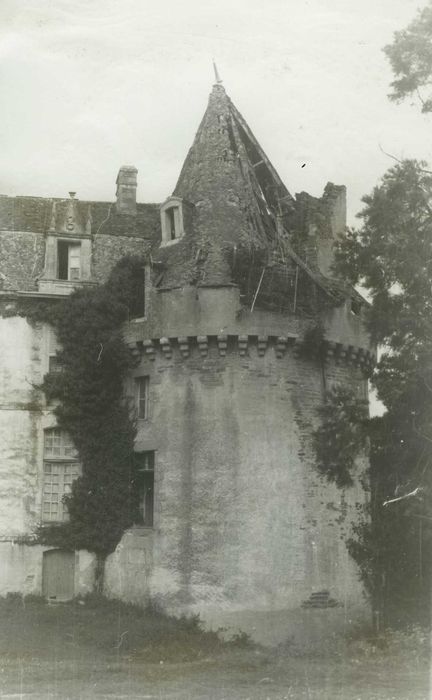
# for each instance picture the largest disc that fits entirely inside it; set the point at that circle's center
(103, 652)
(239, 676)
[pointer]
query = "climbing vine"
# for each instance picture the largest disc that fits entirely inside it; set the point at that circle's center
(92, 408)
(341, 435)
(312, 344)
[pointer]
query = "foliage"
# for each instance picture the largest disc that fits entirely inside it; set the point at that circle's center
(410, 56)
(391, 255)
(341, 436)
(312, 343)
(93, 410)
(412, 644)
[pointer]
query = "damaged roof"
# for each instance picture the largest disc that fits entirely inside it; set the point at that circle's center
(238, 218)
(241, 209)
(235, 192)
(229, 178)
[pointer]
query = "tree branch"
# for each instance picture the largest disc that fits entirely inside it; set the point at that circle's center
(411, 494)
(399, 160)
(418, 93)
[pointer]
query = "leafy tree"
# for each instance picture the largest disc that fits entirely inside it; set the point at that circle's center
(410, 56)
(391, 255)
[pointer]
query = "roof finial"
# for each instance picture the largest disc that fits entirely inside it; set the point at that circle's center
(217, 76)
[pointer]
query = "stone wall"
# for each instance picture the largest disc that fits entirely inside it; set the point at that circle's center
(200, 311)
(108, 250)
(22, 569)
(242, 519)
(20, 420)
(128, 570)
(22, 258)
(23, 417)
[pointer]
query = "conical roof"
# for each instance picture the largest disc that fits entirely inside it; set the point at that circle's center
(227, 176)
(239, 217)
(236, 193)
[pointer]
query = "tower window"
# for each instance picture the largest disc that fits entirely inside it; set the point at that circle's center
(142, 397)
(144, 482)
(172, 220)
(68, 260)
(137, 308)
(55, 363)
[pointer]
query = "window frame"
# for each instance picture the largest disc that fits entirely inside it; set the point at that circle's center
(144, 477)
(54, 363)
(60, 469)
(142, 398)
(172, 218)
(69, 243)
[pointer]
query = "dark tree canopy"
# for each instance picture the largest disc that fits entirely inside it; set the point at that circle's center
(410, 57)
(391, 256)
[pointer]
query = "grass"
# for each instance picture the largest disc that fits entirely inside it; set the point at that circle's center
(96, 648)
(104, 627)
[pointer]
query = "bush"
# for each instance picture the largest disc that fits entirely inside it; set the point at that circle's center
(413, 644)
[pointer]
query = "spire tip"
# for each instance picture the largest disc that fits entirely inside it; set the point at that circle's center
(216, 72)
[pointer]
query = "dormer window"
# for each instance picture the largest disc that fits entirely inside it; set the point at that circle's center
(68, 260)
(68, 247)
(172, 220)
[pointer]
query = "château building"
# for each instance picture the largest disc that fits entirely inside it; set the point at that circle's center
(234, 515)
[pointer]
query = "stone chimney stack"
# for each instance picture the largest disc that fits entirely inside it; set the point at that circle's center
(126, 190)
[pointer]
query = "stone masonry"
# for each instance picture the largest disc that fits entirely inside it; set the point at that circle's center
(237, 272)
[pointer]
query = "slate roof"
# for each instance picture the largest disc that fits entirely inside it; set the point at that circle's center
(35, 214)
(234, 204)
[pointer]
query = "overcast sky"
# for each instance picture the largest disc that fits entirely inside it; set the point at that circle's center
(90, 85)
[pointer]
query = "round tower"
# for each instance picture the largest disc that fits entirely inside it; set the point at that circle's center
(235, 515)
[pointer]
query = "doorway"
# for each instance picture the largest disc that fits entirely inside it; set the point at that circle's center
(58, 575)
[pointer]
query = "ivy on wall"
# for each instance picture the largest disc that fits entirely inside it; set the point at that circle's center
(341, 436)
(92, 408)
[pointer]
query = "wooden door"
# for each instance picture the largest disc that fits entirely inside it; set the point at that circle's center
(58, 575)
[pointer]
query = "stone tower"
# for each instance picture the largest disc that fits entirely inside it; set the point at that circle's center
(234, 516)
(227, 398)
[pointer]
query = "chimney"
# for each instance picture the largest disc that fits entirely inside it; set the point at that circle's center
(126, 190)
